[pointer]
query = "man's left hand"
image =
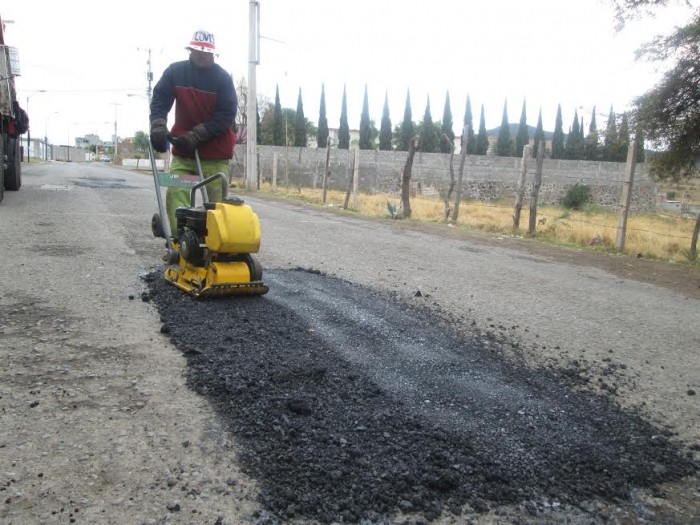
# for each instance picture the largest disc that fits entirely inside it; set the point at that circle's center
(183, 143)
(193, 138)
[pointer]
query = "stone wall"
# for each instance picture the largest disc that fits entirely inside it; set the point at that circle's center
(485, 178)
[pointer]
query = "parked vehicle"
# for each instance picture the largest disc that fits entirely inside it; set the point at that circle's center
(13, 119)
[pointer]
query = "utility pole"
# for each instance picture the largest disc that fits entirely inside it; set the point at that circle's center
(253, 61)
(149, 77)
(116, 137)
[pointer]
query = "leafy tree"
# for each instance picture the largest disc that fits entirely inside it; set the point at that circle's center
(365, 130)
(344, 130)
(522, 138)
(299, 124)
(592, 140)
(503, 146)
(623, 139)
(558, 137)
(141, 141)
(639, 143)
(385, 133)
(429, 133)
(668, 113)
(322, 135)
(447, 126)
(278, 134)
(539, 136)
(468, 121)
(610, 142)
(482, 139)
(407, 129)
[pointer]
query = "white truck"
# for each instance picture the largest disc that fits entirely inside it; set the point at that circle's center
(13, 119)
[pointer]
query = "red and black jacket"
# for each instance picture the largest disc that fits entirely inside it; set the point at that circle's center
(202, 96)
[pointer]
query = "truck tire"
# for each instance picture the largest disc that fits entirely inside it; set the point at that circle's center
(13, 173)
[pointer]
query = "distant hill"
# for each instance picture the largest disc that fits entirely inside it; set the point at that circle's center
(514, 131)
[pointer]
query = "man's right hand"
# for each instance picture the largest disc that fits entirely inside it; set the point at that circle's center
(159, 135)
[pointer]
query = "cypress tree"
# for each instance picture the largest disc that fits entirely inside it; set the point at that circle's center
(574, 148)
(299, 124)
(469, 121)
(623, 139)
(365, 128)
(523, 137)
(447, 126)
(344, 129)
(592, 140)
(558, 137)
(278, 121)
(406, 131)
(539, 136)
(503, 148)
(429, 132)
(610, 141)
(385, 133)
(482, 139)
(322, 132)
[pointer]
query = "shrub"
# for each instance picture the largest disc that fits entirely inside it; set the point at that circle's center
(577, 197)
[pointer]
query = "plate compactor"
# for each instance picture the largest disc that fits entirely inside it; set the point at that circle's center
(210, 253)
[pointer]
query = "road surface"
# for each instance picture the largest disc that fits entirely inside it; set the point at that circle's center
(393, 374)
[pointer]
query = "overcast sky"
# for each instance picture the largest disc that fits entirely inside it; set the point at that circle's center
(80, 59)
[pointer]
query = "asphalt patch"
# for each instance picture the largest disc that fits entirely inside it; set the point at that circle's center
(348, 405)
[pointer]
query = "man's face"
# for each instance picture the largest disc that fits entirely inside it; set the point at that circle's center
(201, 59)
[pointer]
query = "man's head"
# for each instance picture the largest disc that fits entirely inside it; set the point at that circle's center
(202, 48)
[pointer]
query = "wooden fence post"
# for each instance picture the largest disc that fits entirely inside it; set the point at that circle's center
(325, 172)
(356, 177)
(458, 197)
(536, 183)
(451, 187)
(350, 186)
(406, 178)
(521, 187)
(275, 158)
(626, 198)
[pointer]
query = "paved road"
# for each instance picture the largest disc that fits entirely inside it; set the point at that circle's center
(93, 396)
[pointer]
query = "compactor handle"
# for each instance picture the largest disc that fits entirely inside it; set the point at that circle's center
(193, 190)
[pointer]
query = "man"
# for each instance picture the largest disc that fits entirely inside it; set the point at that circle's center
(205, 110)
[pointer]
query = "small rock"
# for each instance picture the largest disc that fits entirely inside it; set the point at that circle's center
(173, 506)
(690, 392)
(418, 294)
(145, 297)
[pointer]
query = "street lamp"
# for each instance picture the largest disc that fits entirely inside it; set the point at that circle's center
(28, 132)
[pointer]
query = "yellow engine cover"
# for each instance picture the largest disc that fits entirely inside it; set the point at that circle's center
(233, 228)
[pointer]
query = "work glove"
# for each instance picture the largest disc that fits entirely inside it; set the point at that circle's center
(193, 138)
(159, 135)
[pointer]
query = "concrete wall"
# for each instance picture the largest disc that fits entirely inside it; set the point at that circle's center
(70, 154)
(143, 164)
(485, 178)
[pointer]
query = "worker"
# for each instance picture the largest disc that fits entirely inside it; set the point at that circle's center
(205, 111)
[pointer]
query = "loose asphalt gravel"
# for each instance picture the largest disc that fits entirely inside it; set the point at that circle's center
(352, 406)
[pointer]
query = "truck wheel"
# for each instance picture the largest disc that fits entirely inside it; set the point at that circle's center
(13, 174)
